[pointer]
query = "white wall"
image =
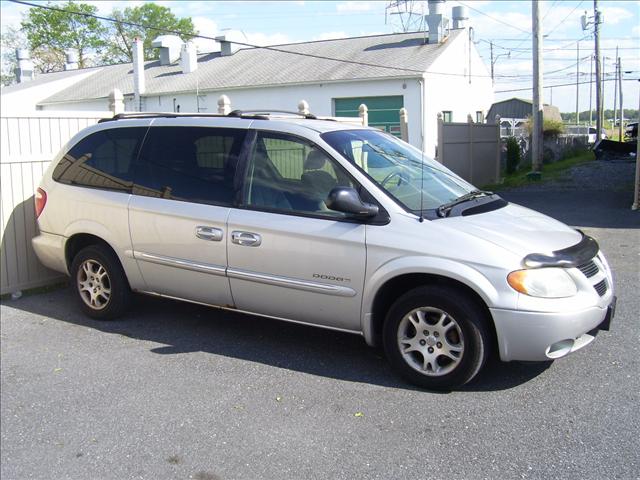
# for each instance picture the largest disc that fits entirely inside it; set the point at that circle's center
(319, 97)
(454, 92)
(25, 100)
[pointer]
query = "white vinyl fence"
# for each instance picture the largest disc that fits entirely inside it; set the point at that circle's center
(27, 145)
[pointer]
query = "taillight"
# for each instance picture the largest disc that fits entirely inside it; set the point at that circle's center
(40, 200)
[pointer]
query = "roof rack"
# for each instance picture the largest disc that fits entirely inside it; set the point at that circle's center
(253, 114)
(242, 113)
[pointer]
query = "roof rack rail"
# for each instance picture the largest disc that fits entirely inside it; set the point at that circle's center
(133, 115)
(242, 113)
(254, 114)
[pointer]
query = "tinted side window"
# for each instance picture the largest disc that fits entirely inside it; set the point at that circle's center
(289, 174)
(102, 160)
(192, 164)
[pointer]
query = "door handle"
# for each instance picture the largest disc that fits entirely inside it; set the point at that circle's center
(246, 239)
(209, 233)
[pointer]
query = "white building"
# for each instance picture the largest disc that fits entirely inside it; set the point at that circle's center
(426, 73)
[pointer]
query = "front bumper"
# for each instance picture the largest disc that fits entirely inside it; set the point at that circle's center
(539, 336)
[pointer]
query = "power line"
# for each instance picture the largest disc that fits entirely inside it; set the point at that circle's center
(573, 84)
(270, 48)
(565, 18)
(494, 18)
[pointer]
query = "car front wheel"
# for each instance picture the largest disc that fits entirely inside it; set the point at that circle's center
(436, 337)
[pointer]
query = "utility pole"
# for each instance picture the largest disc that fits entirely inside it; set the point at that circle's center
(591, 91)
(577, 83)
(491, 48)
(621, 107)
(615, 94)
(537, 108)
(599, 99)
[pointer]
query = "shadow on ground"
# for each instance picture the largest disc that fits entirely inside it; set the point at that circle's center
(183, 327)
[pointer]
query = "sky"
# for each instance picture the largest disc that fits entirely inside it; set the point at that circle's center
(506, 24)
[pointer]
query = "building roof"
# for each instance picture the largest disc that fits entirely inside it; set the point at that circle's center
(520, 108)
(46, 78)
(263, 67)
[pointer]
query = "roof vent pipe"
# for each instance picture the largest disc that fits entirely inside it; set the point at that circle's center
(138, 72)
(227, 47)
(170, 47)
(71, 61)
(437, 22)
(460, 16)
(188, 58)
(24, 71)
(436, 7)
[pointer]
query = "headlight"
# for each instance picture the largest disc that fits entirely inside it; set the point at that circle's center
(543, 282)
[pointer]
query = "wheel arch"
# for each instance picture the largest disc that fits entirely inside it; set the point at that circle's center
(390, 286)
(78, 241)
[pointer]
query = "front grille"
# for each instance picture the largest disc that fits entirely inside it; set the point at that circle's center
(589, 269)
(601, 287)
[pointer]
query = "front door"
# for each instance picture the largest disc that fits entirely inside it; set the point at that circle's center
(183, 190)
(289, 256)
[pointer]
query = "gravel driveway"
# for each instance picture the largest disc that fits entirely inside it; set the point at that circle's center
(181, 391)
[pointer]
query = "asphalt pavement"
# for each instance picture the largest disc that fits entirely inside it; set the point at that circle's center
(180, 391)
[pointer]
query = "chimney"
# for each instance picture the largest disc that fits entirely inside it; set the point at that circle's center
(138, 72)
(460, 16)
(72, 61)
(24, 72)
(437, 22)
(169, 46)
(188, 58)
(227, 47)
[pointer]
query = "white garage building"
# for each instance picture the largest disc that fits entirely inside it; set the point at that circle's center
(426, 73)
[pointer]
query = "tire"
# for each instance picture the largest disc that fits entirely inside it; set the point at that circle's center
(100, 283)
(436, 337)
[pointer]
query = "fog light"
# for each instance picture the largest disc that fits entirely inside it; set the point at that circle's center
(559, 349)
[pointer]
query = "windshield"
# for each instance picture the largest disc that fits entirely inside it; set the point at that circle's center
(399, 169)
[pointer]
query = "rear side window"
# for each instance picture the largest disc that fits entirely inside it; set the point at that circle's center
(191, 164)
(102, 160)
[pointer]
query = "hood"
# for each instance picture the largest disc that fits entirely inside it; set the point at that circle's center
(520, 230)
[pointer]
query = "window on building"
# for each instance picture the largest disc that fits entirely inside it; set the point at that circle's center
(289, 174)
(447, 116)
(479, 117)
(102, 160)
(189, 164)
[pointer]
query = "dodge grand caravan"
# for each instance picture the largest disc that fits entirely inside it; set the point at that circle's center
(316, 222)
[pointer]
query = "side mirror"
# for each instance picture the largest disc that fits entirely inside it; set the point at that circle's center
(347, 200)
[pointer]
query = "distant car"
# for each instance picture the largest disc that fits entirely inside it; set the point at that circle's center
(592, 135)
(631, 132)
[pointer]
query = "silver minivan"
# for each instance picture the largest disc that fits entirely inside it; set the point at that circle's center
(321, 223)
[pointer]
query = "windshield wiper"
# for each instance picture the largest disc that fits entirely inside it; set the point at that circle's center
(445, 208)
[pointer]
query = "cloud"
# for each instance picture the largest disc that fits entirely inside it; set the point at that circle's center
(354, 6)
(206, 26)
(263, 39)
(615, 15)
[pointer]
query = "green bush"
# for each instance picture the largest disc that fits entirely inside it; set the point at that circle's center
(513, 154)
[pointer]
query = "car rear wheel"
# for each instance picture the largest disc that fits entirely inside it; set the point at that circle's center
(436, 337)
(100, 283)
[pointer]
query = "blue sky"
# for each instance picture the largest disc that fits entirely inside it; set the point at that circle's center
(505, 23)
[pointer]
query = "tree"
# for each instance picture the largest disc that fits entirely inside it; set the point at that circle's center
(11, 39)
(51, 33)
(119, 36)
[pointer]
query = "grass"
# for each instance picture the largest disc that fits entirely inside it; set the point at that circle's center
(550, 171)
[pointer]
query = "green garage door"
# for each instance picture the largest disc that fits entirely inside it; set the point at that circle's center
(384, 112)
